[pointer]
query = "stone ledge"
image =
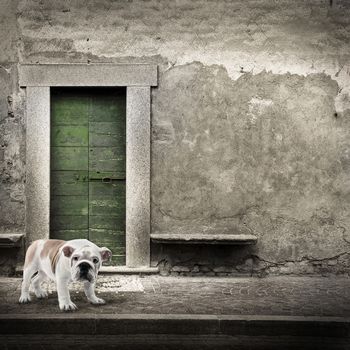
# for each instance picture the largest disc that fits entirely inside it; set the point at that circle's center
(11, 240)
(237, 239)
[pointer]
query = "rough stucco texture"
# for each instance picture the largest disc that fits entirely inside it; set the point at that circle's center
(250, 121)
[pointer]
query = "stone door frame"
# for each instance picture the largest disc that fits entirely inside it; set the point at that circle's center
(138, 80)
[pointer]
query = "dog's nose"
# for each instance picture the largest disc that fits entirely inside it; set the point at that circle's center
(84, 267)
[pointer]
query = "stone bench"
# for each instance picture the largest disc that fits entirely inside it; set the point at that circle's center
(195, 238)
(11, 240)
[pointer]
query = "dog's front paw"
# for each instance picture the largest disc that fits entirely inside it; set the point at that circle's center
(97, 301)
(24, 299)
(40, 294)
(68, 306)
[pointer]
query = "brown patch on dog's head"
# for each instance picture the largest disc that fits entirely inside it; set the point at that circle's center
(30, 253)
(51, 249)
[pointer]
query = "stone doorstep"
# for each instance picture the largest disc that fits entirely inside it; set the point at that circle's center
(125, 270)
(129, 324)
(122, 270)
(11, 240)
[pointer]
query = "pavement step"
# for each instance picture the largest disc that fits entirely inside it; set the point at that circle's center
(189, 324)
(170, 342)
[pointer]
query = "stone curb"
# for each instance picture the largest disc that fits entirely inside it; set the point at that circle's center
(252, 325)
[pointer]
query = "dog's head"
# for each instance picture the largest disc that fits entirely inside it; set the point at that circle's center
(86, 261)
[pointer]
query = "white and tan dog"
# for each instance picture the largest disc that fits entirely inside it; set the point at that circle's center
(63, 262)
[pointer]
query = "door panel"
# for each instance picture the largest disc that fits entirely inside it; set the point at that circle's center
(70, 205)
(88, 167)
(106, 134)
(70, 183)
(106, 108)
(69, 107)
(107, 159)
(75, 222)
(67, 235)
(70, 135)
(69, 158)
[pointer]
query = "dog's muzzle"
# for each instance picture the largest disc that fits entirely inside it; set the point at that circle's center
(85, 272)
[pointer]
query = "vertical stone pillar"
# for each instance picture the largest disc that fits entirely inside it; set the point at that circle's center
(138, 176)
(37, 163)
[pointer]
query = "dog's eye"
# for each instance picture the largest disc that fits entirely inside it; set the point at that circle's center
(95, 260)
(75, 258)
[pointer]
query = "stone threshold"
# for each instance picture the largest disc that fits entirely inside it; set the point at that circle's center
(122, 270)
(125, 270)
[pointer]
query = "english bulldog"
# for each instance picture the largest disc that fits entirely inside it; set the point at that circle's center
(63, 262)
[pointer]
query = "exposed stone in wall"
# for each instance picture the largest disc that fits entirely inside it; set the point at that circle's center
(12, 152)
(254, 266)
(8, 260)
(12, 126)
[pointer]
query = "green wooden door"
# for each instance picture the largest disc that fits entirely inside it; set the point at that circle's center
(88, 167)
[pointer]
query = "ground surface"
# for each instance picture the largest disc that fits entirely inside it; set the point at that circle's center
(290, 296)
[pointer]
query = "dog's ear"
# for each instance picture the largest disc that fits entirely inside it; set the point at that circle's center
(68, 251)
(106, 254)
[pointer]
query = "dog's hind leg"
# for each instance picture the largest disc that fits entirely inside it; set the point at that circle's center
(28, 272)
(36, 282)
(30, 268)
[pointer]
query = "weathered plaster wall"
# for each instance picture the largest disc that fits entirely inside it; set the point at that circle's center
(250, 122)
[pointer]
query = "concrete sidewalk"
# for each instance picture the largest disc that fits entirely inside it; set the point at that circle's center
(289, 296)
(272, 313)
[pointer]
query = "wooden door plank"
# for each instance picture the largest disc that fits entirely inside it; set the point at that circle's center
(106, 175)
(69, 205)
(112, 222)
(69, 183)
(114, 240)
(105, 206)
(108, 108)
(101, 190)
(69, 158)
(75, 222)
(104, 159)
(70, 135)
(107, 134)
(67, 109)
(69, 176)
(73, 189)
(67, 235)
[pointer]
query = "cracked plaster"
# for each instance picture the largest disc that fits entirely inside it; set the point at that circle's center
(250, 121)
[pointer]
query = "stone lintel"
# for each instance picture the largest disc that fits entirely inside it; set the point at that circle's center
(88, 75)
